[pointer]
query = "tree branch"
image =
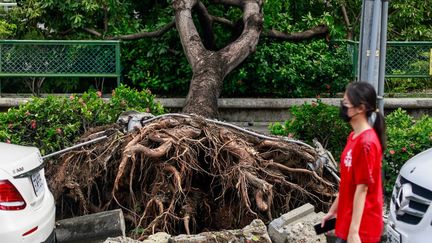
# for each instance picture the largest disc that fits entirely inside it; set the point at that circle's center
(105, 9)
(92, 31)
(189, 37)
(151, 34)
(348, 25)
(65, 32)
(223, 21)
(206, 21)
(320, 30)
(233, 54)
(345, 16)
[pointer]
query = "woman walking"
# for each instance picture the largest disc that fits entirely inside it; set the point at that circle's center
(358, 206)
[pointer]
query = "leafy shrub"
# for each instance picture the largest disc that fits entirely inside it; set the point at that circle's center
(6, 29)
(291, 70)
(404, 85)
(406, 137)
(160, 66)
(316, 120)
(53, 123)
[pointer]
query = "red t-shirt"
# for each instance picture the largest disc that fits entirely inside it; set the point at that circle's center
(361, 164)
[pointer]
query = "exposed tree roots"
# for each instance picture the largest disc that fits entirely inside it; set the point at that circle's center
(187, 175)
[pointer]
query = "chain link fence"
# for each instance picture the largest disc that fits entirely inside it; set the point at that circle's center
(20, 58)
(408, 59)
(403, 59)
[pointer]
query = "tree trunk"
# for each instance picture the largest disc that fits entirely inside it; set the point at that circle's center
(209, 67)
(204, 90)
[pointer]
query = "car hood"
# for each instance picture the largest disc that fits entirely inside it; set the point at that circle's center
(418, 169)
(17, 159)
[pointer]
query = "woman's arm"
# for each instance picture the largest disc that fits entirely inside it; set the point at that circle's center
(358, 206)
(332, 211)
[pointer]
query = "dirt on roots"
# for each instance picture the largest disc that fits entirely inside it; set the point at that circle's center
(185, 174)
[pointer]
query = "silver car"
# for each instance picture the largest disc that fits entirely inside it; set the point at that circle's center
(410, 216)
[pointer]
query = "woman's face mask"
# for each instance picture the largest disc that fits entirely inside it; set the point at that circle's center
(343, 112)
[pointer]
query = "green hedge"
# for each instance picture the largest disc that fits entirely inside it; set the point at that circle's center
(316, 120)
(54, 122)
(287, 69)
(406, 136)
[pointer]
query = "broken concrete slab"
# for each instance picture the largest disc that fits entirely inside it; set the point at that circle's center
(159, 237)
(91, 228)
(296, 226)
(255, 232)
(121, 239)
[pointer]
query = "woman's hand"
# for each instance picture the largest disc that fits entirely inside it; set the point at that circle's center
(332, 212)
(326, 217)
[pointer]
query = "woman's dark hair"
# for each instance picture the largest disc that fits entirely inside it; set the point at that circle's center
(362, 93)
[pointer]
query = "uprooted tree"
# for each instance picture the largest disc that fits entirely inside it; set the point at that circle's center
(187, 174)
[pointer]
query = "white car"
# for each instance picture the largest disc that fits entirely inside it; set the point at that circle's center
(27, 209)
(410, 216)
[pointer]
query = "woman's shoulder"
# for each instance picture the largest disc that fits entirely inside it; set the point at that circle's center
(369, 138)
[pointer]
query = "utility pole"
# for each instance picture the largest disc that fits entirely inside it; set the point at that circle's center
(372, 46)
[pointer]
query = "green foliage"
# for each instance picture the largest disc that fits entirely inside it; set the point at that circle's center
(316, 120)
(405, 85)
(6, 29)
(59, 15)
(410, 20)
(159, 64)
(291, 70)
(53, 123)
(278, 69)
(295, 16)
(161, 67)
(406, 137)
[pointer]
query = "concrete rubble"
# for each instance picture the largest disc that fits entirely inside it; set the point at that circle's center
(255, 232)
(121, 239)
(295, 226)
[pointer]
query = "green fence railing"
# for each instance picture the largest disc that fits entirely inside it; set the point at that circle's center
(60, 58)
(403, 59)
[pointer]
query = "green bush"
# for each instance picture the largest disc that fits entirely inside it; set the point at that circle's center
(6, 29)
(160, 66)
(316, 120)
(406, 137)
(53, 123)
(405, 85)
(291, 70)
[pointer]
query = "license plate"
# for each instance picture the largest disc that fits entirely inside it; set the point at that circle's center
(392, 235)
(38, 183)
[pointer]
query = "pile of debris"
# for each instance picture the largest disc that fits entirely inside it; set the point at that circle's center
(184, 174)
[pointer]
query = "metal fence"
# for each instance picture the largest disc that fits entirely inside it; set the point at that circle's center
(6, 7)
(53, 58)
(403, 59)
